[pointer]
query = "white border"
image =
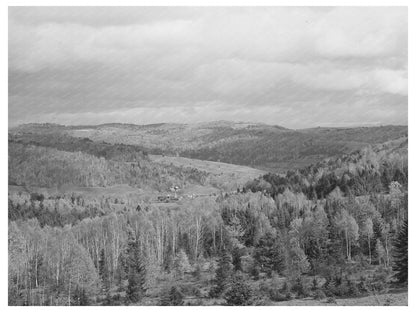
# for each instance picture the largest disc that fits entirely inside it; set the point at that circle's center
(4, 125)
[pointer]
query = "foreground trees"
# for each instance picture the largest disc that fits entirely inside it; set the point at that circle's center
(222, 274)
(401, 255)
(124, 253)
(136, 274)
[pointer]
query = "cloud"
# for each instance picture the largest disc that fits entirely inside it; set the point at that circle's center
(90, 60)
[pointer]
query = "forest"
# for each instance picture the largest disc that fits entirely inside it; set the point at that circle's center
(332, 230)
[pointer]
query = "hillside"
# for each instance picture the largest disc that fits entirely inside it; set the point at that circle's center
(370, 170)
(230, 142)
(52, 159)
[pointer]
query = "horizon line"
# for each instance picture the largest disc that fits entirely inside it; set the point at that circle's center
(364, 125)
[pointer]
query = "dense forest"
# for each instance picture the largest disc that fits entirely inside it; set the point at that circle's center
(335, 229)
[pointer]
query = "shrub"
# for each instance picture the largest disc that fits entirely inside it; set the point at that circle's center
(285, 288)
(330, 287)
(319, 295)
(276, 295)
(380, 280)
(353, 290)
(300, 288)
(172, 297)
(239, 293)
(342, 290)
(315, 284)
(255, 271)
(197, 271)
(331, 300)
(190, 290)
(363, 286)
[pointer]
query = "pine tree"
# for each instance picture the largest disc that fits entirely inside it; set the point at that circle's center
(270, 253)
(136, 271)
(400, 264)
(222, 274)
(237, 253)
(104, 274)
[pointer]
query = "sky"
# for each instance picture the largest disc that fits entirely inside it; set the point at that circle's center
(296, 67)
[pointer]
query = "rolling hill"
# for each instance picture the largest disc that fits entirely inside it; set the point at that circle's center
(261, 146)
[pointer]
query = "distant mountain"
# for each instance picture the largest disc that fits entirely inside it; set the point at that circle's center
(251, 144)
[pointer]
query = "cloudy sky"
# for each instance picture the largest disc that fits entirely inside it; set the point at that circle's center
(292, 66)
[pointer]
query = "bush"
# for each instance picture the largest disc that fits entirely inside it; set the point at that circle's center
(255, 271)
(353, 290)
(342, 290)
(300, 288)
(319, 295)
(289, 296)
(239, 293)
(363, 286)
(380, 280)
(315, 284)
(285, 290)
(190, 290)
(276, 295)
(331, 300)
(330, 287)
(172, 297)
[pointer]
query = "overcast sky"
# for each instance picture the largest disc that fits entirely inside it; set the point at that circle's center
(296, 67)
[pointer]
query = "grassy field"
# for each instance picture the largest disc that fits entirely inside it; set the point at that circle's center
(223, 175)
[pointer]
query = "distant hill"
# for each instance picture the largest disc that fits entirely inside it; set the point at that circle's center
(44, 156)
(370, 170)
(260, 146)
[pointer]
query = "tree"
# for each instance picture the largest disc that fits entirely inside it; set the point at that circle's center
(347, 225)
(270, 253)
(222, 274)
(103, 272)
(181, 263)
(136, 271)
(237, 253)
(368, 234)
(299, 261)
(380, 253)
(400, 264)
(239, 293)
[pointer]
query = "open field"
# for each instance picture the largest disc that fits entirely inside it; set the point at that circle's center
(222, 173)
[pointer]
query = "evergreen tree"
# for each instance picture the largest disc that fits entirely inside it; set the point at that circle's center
(400, 264)
(104, 274)
(270, 254)
(237, 254)
(136, 271)
(222, 274)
